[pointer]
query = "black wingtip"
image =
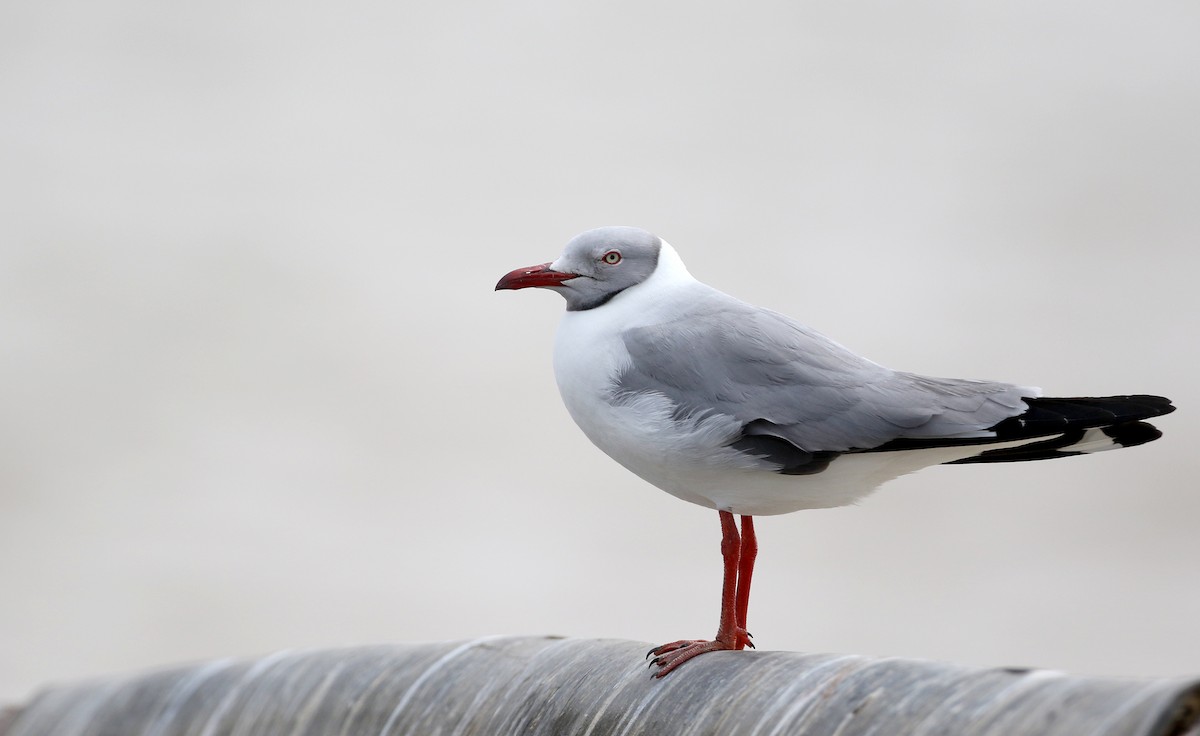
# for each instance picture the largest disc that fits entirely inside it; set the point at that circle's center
(1133, 433)
(1052, 414)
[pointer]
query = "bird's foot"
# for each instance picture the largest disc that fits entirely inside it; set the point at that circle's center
(669, 656)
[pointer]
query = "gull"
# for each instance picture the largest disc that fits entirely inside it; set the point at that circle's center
(746, 411)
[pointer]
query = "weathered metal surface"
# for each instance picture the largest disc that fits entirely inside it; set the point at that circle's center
(526, 685)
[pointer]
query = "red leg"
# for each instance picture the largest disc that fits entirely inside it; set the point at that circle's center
(730, 634)
(731, 548)
(748, 553)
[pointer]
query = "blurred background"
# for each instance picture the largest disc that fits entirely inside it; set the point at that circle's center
(257, 393)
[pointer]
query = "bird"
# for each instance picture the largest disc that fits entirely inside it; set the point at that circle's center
(746, 411)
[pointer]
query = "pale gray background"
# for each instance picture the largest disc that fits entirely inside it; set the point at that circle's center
(257, 392)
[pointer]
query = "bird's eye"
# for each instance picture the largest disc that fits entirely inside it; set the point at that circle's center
(612, 258)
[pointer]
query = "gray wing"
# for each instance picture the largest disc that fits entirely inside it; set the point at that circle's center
(781, 379)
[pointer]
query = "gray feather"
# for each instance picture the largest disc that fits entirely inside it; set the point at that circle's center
(786, 380)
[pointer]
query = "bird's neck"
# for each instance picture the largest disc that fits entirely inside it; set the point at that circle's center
(670, 267)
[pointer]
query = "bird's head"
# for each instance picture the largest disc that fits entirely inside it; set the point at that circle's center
(594, 267)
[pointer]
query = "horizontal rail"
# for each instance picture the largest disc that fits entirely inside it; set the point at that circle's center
(542, 685)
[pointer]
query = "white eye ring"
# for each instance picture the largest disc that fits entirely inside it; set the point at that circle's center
(612, 258)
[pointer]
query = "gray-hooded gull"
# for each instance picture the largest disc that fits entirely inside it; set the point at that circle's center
(748, 412)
